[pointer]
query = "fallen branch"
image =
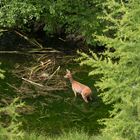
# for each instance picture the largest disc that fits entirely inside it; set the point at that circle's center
(3, 30)
(33, 83)
(30, 52)
(32, 41)
(50, 77)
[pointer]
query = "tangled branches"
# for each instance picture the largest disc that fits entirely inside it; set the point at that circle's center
(43, 76)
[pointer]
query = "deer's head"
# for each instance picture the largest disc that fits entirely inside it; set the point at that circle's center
(68, 74)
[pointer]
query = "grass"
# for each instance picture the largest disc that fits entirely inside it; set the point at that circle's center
(72, 135)
(53, 115)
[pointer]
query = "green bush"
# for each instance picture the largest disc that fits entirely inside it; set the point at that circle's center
(16, 13)
(10, 130)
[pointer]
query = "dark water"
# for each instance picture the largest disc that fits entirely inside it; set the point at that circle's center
(60, 112)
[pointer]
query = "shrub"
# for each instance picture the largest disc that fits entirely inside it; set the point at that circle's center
(10, 130)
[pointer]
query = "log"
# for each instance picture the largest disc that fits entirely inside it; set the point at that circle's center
(30, 52)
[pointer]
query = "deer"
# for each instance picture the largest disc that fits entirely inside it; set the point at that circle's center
(78, 87)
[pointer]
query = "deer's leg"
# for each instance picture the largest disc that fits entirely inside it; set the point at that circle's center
(75, 93)
(85, 98)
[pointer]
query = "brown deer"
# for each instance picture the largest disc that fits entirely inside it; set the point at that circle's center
(77, 87)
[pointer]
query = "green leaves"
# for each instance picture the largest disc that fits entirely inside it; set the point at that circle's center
(11, 132)
(75, 17)
(18, 13)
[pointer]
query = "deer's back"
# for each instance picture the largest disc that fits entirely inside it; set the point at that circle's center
(79, 87)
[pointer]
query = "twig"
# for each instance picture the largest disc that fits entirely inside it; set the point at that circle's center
(62, 39)
(13, 87)
(2, 30)
(54, 73)
(33, 83)
(30, 52)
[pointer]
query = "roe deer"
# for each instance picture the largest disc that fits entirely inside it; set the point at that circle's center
(77, 87)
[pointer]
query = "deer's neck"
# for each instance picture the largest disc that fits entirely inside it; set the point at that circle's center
(71, 79)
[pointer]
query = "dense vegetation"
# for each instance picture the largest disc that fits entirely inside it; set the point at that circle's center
(115, 24)
(120, 70)
(54, 17)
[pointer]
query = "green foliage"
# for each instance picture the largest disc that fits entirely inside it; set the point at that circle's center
(120, 83)
(77, 17)
(17, 12)
(11, 130)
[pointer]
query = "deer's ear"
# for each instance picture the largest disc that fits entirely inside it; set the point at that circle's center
(67, 71)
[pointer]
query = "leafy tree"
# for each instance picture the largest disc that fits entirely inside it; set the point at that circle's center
(17, 13)
(120, 70)
(76, 17)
